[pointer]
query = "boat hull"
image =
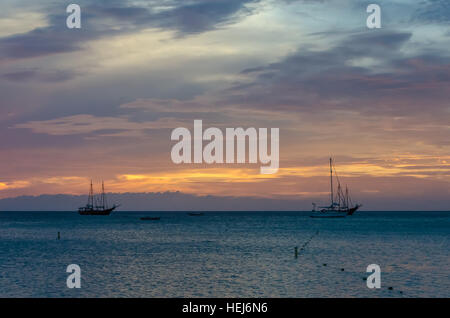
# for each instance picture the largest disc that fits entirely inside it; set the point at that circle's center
(328, 216)
(352, 210)
(334, 213)
(96, 212)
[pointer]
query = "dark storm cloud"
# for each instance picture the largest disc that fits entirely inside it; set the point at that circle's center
(102, 19)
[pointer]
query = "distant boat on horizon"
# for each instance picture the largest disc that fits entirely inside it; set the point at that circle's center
(340, 206)
(95, 205)
(195, 214)
(150, 218)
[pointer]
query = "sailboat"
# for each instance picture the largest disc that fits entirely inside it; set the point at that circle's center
(341, 204)
(95, 205)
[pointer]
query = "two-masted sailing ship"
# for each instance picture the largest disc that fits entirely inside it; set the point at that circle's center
(97, 205)
(340, 202)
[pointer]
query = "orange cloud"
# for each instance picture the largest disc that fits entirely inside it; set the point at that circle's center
(14, 185)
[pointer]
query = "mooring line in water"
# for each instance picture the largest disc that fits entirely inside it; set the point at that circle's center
(310, 239)
(305, 244)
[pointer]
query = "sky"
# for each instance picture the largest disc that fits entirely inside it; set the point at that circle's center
(100, 102)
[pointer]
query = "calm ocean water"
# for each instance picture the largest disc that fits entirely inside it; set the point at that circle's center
(231, 254)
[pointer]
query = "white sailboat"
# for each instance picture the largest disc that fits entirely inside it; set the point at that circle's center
(340, 206)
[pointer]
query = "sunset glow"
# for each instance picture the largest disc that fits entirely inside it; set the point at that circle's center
(100, 102)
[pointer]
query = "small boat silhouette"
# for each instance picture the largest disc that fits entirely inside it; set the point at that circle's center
(150, 218)
(196, 214)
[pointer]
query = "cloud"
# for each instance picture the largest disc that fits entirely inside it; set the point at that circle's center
(88, 124)
(433, 11)
(364, 69)
(41, 76)
(201, 15)
(103, 19)
(21, 22)
(198, 104)
(43, 41)
(14, 185)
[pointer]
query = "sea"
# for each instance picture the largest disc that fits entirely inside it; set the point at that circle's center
(224, 254)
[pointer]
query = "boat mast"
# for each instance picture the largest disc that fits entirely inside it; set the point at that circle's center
(346, 196)
(91, 196)
(339, 194)
(103, 195)
(331, 181)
